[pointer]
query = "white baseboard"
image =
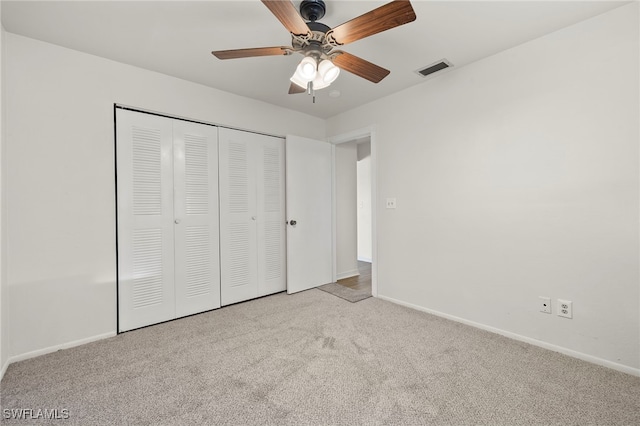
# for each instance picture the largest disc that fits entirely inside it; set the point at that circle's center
(67, 345)
(4, 369)
(348, 274)
(365, 259)
(535, 342)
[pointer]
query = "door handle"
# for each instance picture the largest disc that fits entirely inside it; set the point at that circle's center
(292, 222)
(177, 221)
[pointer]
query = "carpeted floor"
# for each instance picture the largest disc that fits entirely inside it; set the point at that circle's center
(313, 358)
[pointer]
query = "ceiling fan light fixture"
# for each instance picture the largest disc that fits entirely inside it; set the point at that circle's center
(295, 79)
(328, 71)
(319, 83)
(307, 69)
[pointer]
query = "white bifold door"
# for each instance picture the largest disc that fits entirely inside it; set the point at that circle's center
(167, 193)
(252, 215)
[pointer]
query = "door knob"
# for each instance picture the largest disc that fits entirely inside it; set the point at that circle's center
(292, 222)
(253, 218)
(177, 221)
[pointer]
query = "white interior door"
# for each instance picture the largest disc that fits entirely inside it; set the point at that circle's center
(197, 264)
(309, 209)
(145, 219)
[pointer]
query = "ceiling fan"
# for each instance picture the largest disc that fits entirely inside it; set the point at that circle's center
(317, 42)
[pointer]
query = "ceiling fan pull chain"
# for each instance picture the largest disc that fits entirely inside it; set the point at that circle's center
(310, 90)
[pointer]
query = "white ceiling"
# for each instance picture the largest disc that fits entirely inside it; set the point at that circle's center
(176, 38)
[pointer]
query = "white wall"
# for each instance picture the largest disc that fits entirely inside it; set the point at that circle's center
(517, 176)
(365, 241)
(60, 180)
(346, 213)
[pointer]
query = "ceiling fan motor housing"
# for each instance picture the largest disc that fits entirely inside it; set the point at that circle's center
(312, 10)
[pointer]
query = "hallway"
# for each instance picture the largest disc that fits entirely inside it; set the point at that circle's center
(359, 282)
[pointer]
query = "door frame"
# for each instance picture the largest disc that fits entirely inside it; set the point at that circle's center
(348, 137)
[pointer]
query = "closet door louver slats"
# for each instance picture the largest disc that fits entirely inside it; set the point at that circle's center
(252, 239)
(168, 247)
(197, 283)
(145, 211)
(238, 275)
(201, 217)
(271, 210)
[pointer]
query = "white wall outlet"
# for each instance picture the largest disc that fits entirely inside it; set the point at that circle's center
(545, 304)
(391, 203)
(565, 308)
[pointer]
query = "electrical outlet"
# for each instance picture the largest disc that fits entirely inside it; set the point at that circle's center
(391, 203)
(545, 304)
(565, 308)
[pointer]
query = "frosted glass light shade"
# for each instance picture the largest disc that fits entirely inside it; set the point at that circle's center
(319, 83)
(328, 72)
(307, 69)
(298, 81)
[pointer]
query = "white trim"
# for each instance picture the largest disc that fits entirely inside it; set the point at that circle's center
(364, 259)
(374, 212)
(55, 348)
(348, 274)
(351, 136)
(565, 351)
(4, 369)
(334, 217)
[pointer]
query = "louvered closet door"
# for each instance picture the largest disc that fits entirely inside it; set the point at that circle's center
(238, 217)
(252, 250)
(271, 216)
(197, 273)
(145, 219)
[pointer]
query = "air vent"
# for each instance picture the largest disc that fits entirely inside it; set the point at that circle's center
(435, 67)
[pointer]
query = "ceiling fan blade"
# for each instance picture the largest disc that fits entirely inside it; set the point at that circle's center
(391, 15)
(360, 67)
(249, 53)
(294, 89)
(287, 14)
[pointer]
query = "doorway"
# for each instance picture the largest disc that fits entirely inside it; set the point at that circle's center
(354, 212)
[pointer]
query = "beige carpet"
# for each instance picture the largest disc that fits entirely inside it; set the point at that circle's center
(312, 358)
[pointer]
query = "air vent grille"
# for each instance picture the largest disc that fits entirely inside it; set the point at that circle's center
(435, 67)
